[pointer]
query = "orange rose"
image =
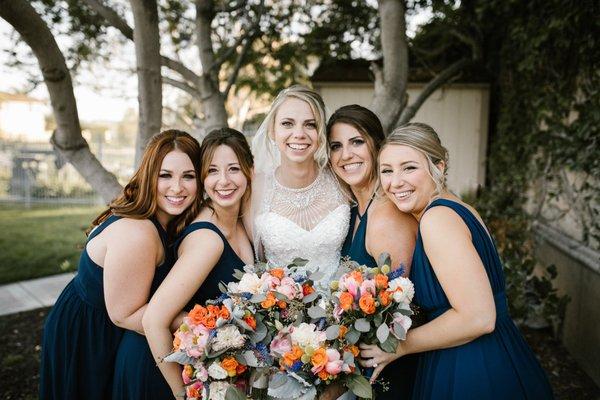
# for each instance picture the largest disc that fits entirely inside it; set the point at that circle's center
(319, 358)
(241, 368)
(209, 321)
(188, 371)
(176, 342)
(323, 375)
(230, 365)
(381, 281)
(357, 276)
(224, 313)
(277, 273)
(385, 298)
(192, 392)
(197, 314)
(367, 303)
(343, 331)
(292, 356)
(307, 289)
(212, 309)
(250, 321)
(282, 304)
(346, 301)
(270, 301)
(353, 349)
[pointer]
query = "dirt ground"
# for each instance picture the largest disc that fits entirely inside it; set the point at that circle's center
(20, 357)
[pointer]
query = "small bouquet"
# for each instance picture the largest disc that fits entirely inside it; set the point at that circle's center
(216, 344)
(372, 305)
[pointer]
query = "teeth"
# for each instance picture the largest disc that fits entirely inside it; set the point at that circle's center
(296, 146)
(175, 199)
(351, 167)
(403, 195)
(225, 192)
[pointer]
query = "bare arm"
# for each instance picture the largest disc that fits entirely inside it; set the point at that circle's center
(198, 254)
(392, 231)
(458, 267)
(133, 250)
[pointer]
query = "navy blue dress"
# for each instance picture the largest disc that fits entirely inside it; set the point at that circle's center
(80, 341)
(400, 374)
(136, 375)
(499, 365)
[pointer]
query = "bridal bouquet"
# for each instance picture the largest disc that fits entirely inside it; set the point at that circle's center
(372, 305)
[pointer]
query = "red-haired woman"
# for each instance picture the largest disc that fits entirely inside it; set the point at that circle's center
(124, 260)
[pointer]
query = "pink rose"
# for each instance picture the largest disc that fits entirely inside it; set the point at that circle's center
(352, 287)
(288, 288)
(368, 286)
(269, 282)
(334, 367)
(332, 355)
(280, 344)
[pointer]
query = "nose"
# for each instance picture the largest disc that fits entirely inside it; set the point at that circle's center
(223, 178)
(397, 180)
(176, 185)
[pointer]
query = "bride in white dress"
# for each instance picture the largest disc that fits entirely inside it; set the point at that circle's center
(298, 207)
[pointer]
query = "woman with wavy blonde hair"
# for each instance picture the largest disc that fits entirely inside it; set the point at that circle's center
(299, 209)
(125, 258)
(470, 348)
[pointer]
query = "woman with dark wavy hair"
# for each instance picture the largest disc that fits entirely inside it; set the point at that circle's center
(124, 260)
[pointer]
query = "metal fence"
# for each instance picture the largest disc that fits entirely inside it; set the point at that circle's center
(33, 173)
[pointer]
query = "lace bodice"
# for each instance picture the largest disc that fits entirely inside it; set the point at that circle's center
(310, 223)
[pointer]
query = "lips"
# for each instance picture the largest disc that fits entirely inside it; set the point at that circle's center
(224, 193)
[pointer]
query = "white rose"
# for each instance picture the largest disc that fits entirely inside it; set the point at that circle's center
(403, 290)
(228, 337)
(250, 283)
(307, 335)
(217, 390)
(215, 371)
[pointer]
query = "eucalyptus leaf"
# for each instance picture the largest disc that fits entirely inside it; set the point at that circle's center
(399, 331)
(352, 336)
(362, 325)
(222, 287)
(310, 298)
(260, 332)
(384, 259)
(383, 332)
(316, 312)
(390, 345)
(316, 276)
(360, 386)
(258, 298)
(250, 359)
(179, 357)
(299, 262)
(234, 393)
(281, 296)
(332, 332)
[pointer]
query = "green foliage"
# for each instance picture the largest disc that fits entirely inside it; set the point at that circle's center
(544, 57)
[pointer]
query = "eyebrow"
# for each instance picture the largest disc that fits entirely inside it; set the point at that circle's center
(168, 170)
(230, 164)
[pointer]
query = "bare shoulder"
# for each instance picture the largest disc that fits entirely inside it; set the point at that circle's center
(385, 215)
(442, 222)
(133, 231)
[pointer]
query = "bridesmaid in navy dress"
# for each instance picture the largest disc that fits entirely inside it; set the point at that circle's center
(84, 328)
(471, 347)
(209, 249)
(355, 135)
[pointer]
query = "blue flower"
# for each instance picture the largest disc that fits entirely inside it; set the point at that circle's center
(296, 366)
(396, 273)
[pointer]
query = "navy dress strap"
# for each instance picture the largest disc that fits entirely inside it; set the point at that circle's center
(355, 244)
(103, 225)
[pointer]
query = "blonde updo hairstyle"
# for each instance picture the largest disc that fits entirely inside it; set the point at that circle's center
(317, 106)
(425, 140)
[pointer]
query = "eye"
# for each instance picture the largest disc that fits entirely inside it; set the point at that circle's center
(311, 125)
(287, 124)
(164, 175)
(335, 146)
(212, 170)
(410, 168)
(234, 169)
(386, 171)
(358, 142)
(189, 176)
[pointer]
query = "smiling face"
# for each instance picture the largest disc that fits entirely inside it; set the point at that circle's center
(295, 131)
(405, 178)
(225, 182)
(350, 155)
(177, 187)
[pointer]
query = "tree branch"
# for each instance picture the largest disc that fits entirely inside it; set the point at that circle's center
(183, 86)
(238, 66)
(119, 23)
(431, 87)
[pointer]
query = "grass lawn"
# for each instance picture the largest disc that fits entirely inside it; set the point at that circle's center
(41, 240)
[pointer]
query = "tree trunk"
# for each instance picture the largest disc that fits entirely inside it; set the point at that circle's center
(67, 139)
(147, 51)
(215, 115)
(390, 96)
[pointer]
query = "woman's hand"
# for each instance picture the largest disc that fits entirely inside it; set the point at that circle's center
(371, 356)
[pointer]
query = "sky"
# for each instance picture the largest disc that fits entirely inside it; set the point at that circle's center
(106, 92)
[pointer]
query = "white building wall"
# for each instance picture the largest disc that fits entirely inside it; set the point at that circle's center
(23, 120)
(459, 113)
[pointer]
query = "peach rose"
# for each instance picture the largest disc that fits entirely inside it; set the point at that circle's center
(385, 298)
(277, 272)
(230, 365)
(381, 281)
(197, 314)
(318, 360)
(346, 301)
(367, 303)
(270, 301)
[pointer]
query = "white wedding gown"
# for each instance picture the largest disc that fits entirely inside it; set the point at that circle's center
(309, 223)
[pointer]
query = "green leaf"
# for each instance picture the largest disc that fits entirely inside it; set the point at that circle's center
(234, 393)
(362, 325)
(352, 336)
(332, 332)
(383, 332)
(360, 386)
